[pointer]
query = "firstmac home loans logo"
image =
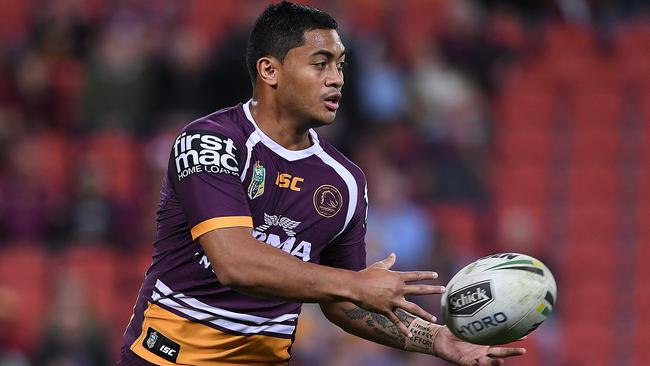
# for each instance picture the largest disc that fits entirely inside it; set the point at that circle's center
(204, 151)
(470, 299)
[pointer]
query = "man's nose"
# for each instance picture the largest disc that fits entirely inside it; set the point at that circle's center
(335, 79)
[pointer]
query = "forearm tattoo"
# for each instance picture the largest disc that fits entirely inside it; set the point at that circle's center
(381, 325)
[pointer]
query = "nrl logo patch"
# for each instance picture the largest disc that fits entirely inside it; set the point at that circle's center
(256, 187)
(151, 341)
(327, 200)
(161, 346)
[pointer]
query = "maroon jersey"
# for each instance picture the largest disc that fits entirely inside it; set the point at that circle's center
(225, 172)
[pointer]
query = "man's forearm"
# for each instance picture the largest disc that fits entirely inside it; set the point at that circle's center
(379, 329)
(261, 270)
(249, 266)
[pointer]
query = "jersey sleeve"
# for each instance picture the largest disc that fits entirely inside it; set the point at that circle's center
(348, 250)
(205, 167)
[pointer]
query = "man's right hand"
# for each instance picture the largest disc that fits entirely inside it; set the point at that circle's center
(383, 291)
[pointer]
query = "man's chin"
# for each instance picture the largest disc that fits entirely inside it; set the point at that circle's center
(324, 119)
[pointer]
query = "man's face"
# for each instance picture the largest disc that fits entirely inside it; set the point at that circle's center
(312, 77)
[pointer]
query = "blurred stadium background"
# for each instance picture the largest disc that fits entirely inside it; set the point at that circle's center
(483, 126)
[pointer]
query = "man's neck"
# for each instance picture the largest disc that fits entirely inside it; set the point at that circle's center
(279, 126)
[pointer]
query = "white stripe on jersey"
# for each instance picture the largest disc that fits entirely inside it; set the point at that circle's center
(236, 327)
(205, 312)
(253, 139)
(349, 181)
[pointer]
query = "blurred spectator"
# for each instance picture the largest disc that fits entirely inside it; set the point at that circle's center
(118, 90)
(381, 85)
(26, 211)
(396, 224)
(59, 30)
(72, 336)
(184, 82)
(447, 105)
(92, 214)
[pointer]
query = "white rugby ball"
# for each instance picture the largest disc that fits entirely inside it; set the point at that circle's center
(499, 298)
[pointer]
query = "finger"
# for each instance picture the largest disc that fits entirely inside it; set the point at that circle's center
(387, 262)
(418, 276)
(495, 352)
(402, 328)
(416, 310)
(423, 290)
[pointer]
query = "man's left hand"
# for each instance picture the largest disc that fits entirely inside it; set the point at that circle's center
(450, 348)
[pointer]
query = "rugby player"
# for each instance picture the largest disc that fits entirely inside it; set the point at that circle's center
(259, 214)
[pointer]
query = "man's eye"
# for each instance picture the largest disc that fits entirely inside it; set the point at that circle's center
(342, 65)
(321, 65)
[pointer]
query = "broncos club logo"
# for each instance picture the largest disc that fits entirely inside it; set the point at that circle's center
(327, 200)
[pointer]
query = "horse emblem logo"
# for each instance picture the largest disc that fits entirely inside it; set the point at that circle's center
(327, 200)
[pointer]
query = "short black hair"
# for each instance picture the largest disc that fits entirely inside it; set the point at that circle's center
(280, 28)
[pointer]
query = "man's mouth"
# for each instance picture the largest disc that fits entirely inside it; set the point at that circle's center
(332, 101)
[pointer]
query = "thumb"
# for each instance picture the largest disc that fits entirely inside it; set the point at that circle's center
(387, 262)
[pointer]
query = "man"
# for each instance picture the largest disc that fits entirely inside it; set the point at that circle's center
(259, 214)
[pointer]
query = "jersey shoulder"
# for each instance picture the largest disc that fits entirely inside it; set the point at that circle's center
(228, 122)
(214, 144)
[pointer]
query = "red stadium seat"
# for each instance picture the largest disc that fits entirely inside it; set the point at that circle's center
(522, 180)
(459, 224)
(593, 184)
(574, 60)
(521, 193)
(208, 19)
(561, 38)
(592, 144)
(14, 20)
(419, 21)
(132, 269)
(643, 186)
(598, 108)
(588, 344)
(527, 107)
(633, 53)
(578, 301)
(521, 228)
(641, 342)
(601, 220)
(530, 74)
(641, 325)
(365, 16)
(588, 264)
(527, 144)
(55, 164)
(644, 133)
(97, 268)
(118, 160)
(642, 250)
(24, 269)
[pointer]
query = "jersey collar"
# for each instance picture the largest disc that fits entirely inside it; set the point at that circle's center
(290, 155)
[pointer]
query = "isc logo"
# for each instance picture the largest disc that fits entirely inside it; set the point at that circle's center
(167, 350)
(285, 180)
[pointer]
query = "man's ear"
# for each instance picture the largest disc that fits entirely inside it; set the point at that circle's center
(268, 70)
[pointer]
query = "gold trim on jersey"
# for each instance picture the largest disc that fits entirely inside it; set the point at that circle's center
(203, 345)
(220, 223)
